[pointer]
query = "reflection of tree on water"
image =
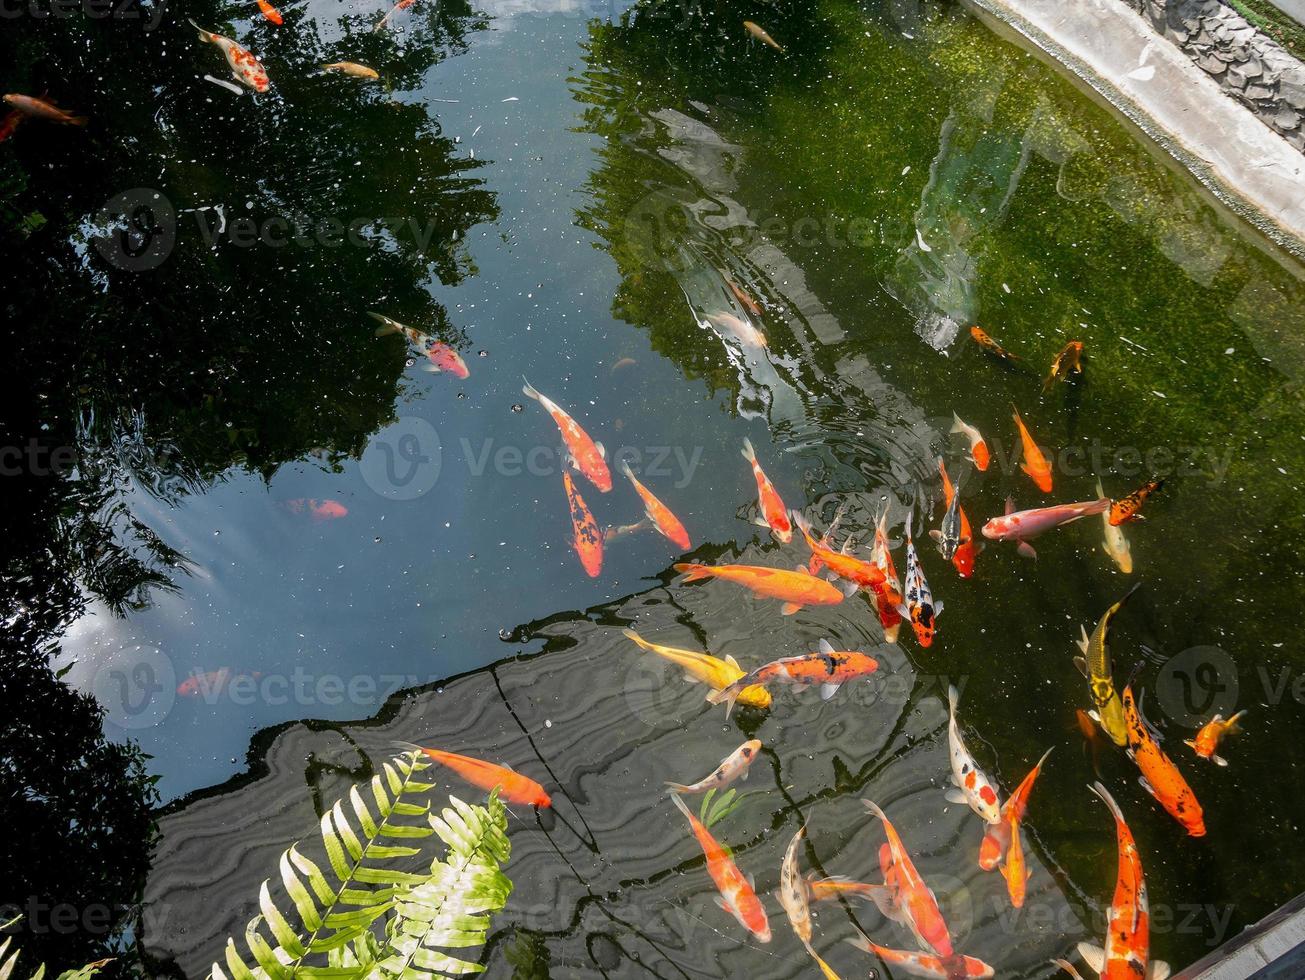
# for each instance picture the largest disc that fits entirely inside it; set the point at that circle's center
(244, 346)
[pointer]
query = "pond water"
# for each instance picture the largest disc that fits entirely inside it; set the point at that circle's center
(240, 509)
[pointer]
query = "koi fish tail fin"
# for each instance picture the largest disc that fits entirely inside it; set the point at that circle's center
(206, 36)
(410, 747)
(1098, 506)
(529, 391)
(1068, 967)
(637, 639)
(862, 942)
(1109, 801)
(1232, 728)
(624, 467)
(957, 425)
(693, 572)
(682, 808)
(953, 698)
(729, 695)
(748, 452)
(875, 809)
(678, 788)
(387, 326)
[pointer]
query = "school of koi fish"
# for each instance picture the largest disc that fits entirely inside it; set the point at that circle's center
(830, 576)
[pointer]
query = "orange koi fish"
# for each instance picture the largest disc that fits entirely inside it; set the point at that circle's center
(210, 682)
(270, 12)
(385, 21)
(829, 668)
(41, 109)
(588, 539)
(888, 596)
(585, 453)
(442, 358)
(773, 513)
(1207, 739)
(913, 903)
(1160, 777)
(1126, 508)
(511, 786)
(738, 328)
(828, 889)
(991, 346)
(967, 549)
(666, 523)
(1127, 952)
(996, 837)
(759, 33)
(922, 964)
(979, 454)
(705, 669)
(795, 589)
(858, 573)
(244, 66)
(744, 299)
(318, 510)
(737, 896)
(1035, 464)
(1068, 361)
(733, 766)
(353, 69)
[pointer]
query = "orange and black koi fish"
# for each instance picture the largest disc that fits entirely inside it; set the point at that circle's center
(1160, 777)
(1068, 361)
(829, 668)
(587, 455)
(1206, 743)
(1126, 508)
(990, 345)
(588, 539)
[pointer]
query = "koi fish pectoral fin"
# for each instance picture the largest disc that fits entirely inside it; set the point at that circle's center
(789, 608)
(1081, 664)
(1218, 760)
(1068, 967)
(1146, 785)
(956, 796)
(1082, 641)
(1025, 550)
(827, 691)
(1157, 970)
(1093, 956)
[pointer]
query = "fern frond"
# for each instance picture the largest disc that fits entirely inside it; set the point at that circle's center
(9, 961)
(334, 908)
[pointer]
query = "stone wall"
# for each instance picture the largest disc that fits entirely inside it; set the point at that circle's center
(1252, 68)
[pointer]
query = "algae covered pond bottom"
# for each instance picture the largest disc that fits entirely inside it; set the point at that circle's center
(277, 549)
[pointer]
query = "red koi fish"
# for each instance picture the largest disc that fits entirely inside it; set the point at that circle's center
(42, 109)
(1206, 743)
(244, 66)
(1160, 777)
(1127, 953)
(1035, 464)
(795, 589)
(923, 964)
(667, 524)
(737, 896)
(829, 668)
(442, 357)
(318, 510)
(979, 454)
(270, 12)
(9, 123)
(511, 785)
(585, 453)
(385, 21)
(967, 549)
(773, 513)
(997, 836)
(211, 682)
(587, 538)
(854, 571)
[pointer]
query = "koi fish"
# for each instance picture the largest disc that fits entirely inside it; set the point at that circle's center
(667, 524)
(10, 123)
(1092, 738)
(245, 68)
(1015, 871)
(829, 668)
(795, 589)
(1068, 361)
(624, 362)
(353, 69)
(1160, 777)
(733, 766)
(318, 510)
(1126, 508)
(1127, 951)
(511, 785)
(967, 549)
(385, 21)
(1096, 666)
(1115, 544)
(888, 595)
(588, 540)
(827, 889)
(208, 683)
(443, 358)
(972, 787)
(270, 12)
(997, 836)
(923, 964)
(917, 603)
(773, 513)
(1021, 525)
(757, 32)
(388, 326)
(949, 537)
(913, 903)
(742, 296)
(794, 896)
(854, 571)
(587, 455)
(705, 669)
(41, 109)
(1207, 739)
(991, 346)
(1035, 464)
(979, 454)
(737, 895)
(738, 328)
